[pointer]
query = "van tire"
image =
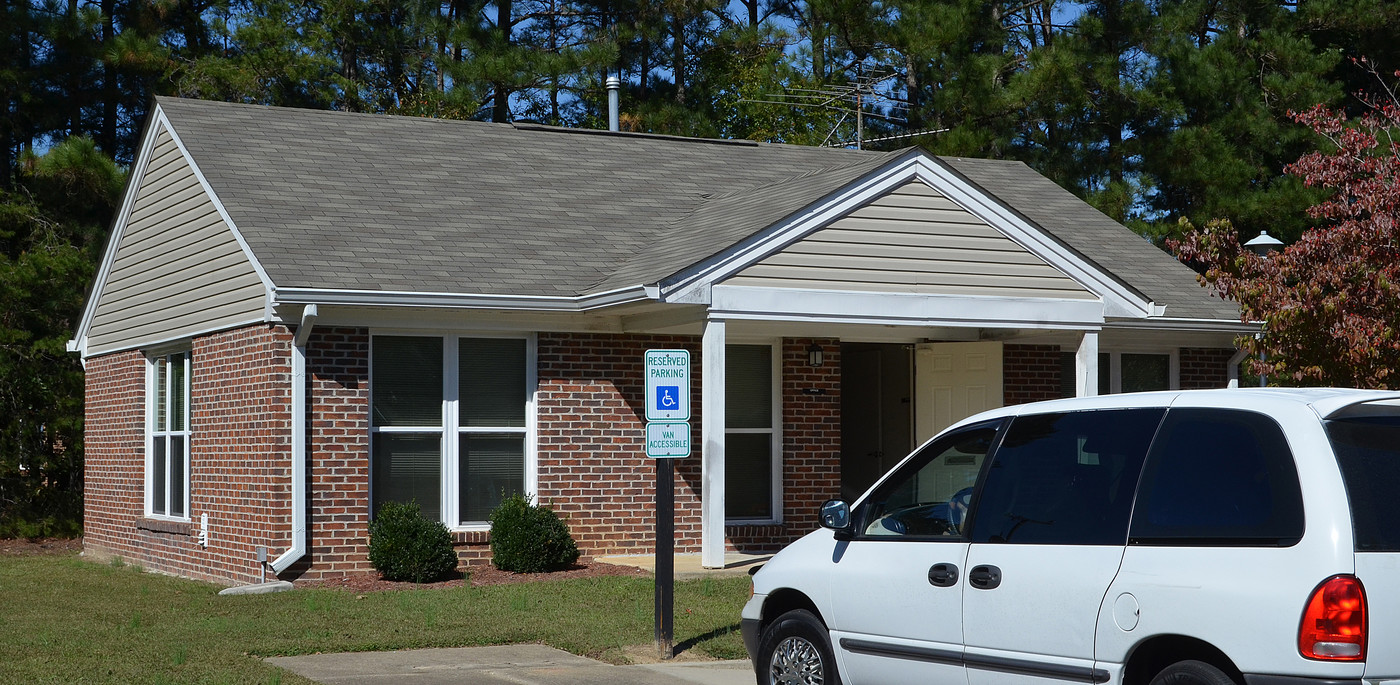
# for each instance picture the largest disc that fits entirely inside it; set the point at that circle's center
(1192, 673)
(795, 650)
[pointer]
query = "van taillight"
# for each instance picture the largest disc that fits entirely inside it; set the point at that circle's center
(1334, 623)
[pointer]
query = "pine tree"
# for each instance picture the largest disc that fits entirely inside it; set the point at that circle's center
(50, 234)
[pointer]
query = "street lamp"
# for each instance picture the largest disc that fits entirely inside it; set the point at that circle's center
(1264, 244)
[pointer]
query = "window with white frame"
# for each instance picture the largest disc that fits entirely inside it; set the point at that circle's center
(450, 422)
(168, 425)
(752, 453)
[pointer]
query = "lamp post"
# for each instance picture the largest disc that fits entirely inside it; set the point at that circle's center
(1263, 245)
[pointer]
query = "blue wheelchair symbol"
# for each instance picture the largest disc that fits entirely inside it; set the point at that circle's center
(668, 397)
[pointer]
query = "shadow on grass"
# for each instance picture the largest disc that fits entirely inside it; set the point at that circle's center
(717, 632)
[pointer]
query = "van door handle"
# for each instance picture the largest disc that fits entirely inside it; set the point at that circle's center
(984, 577)
(943, 575)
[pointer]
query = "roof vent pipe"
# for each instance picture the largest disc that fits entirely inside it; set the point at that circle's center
(614, 85)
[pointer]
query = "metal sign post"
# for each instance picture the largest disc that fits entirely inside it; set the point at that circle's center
(667, 438)
(665, 558)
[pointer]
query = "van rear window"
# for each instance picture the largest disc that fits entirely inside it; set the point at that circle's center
(1368, 452)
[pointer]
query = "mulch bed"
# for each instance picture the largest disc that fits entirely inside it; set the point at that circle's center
(477, 575)
(29, 548)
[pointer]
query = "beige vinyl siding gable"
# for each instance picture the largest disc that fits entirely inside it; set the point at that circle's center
(178, 270)
(912, 240)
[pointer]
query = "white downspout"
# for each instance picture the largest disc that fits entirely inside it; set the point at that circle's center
(298, 548)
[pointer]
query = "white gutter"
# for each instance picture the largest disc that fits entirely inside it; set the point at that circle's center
(1184, 324)
(298, 548)
(411, 299)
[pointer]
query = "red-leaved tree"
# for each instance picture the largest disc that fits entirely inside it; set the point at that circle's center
(1330, 302)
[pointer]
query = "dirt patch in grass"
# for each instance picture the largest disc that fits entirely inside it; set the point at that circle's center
(650, 654)
(21, 547)
(477, 575)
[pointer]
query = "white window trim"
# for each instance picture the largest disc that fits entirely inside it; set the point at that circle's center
(1115, 366)
(448, 424)
(776, 446)
(150, 437)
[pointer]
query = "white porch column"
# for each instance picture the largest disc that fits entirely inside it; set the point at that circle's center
(1086, 366)
(712, 445)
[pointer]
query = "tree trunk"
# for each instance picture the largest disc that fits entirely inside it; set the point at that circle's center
(107, 138)
(914, 115)
(678, 54)
(500, 110)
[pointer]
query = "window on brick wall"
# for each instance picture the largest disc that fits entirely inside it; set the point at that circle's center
(450, 418)
(751, 449)
(1126, 372)
(168, 425)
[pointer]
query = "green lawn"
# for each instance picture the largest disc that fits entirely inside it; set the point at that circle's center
(63, 620)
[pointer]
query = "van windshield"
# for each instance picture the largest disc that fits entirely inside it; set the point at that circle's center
(1367, 446)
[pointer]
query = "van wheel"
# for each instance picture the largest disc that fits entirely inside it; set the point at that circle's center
(1192, 673)
(794, 651)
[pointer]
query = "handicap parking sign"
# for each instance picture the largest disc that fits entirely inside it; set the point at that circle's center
(667, 385)
(668, 397)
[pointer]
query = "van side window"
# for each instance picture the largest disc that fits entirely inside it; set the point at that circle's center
(1219, 477)
(929, 497)
(1065, 479)
(1366, 440)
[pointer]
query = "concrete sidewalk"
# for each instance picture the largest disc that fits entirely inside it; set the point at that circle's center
(504, 665)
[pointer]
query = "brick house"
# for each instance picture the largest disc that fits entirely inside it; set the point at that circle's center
(301, 314)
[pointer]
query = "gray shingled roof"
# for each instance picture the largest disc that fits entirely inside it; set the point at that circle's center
(337, 200)
(1096, 237)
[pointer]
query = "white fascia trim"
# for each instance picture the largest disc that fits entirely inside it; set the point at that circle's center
(462, 301)
(109, 255)
(902, 309)
(157, 123)
(1181, 324)
(1118, 298)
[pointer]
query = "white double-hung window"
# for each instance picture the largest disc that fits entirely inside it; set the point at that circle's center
(168, 431)
(752, 435)
(451, 423)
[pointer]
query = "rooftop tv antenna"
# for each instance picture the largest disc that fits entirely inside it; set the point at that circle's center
(852, 101)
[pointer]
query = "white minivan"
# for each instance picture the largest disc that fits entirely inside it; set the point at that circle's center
(1213, 537)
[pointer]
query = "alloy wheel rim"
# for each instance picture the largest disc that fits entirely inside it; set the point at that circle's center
(796, 661)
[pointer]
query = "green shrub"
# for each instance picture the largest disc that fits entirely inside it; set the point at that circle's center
(529, 539)
(405, 546)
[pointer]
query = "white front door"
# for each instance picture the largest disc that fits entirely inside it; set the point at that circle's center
(953, 381)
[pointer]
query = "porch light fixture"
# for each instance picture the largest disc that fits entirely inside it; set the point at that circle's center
(1264, 244)
(814, 355)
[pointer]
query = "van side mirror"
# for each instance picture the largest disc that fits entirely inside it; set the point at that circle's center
(836, 515)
